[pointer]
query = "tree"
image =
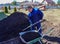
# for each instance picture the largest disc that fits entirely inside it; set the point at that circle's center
(9, 7)
(58, 2)
(2, 8)
(15, 9)
(6, 9)
(14, 3)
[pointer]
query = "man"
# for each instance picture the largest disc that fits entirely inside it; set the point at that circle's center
(35, 15)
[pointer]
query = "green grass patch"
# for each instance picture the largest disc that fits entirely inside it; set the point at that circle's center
(2, 15)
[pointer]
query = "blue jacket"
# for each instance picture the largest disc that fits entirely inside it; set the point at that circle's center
(35, 15)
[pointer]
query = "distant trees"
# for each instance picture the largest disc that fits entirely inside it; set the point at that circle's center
(6, 10)
(49, 2)
(14, 3)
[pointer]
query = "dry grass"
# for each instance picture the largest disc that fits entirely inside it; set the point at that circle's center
(53, 20)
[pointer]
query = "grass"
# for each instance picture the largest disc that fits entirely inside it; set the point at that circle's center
(52, 15)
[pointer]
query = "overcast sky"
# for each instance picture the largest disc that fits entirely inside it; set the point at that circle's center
(9, 1)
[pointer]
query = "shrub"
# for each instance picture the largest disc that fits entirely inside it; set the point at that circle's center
(9, 8)
(6, 9)
(15, 9)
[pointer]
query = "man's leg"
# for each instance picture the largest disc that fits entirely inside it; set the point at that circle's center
(39, 27)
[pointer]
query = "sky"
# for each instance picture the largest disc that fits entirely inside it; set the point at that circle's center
(9, 1)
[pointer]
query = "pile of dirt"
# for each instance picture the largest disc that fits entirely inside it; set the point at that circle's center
(52, 36)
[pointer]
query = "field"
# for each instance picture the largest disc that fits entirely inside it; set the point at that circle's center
(52, 22)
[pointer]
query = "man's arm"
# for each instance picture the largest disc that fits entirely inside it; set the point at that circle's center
(29, 15)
